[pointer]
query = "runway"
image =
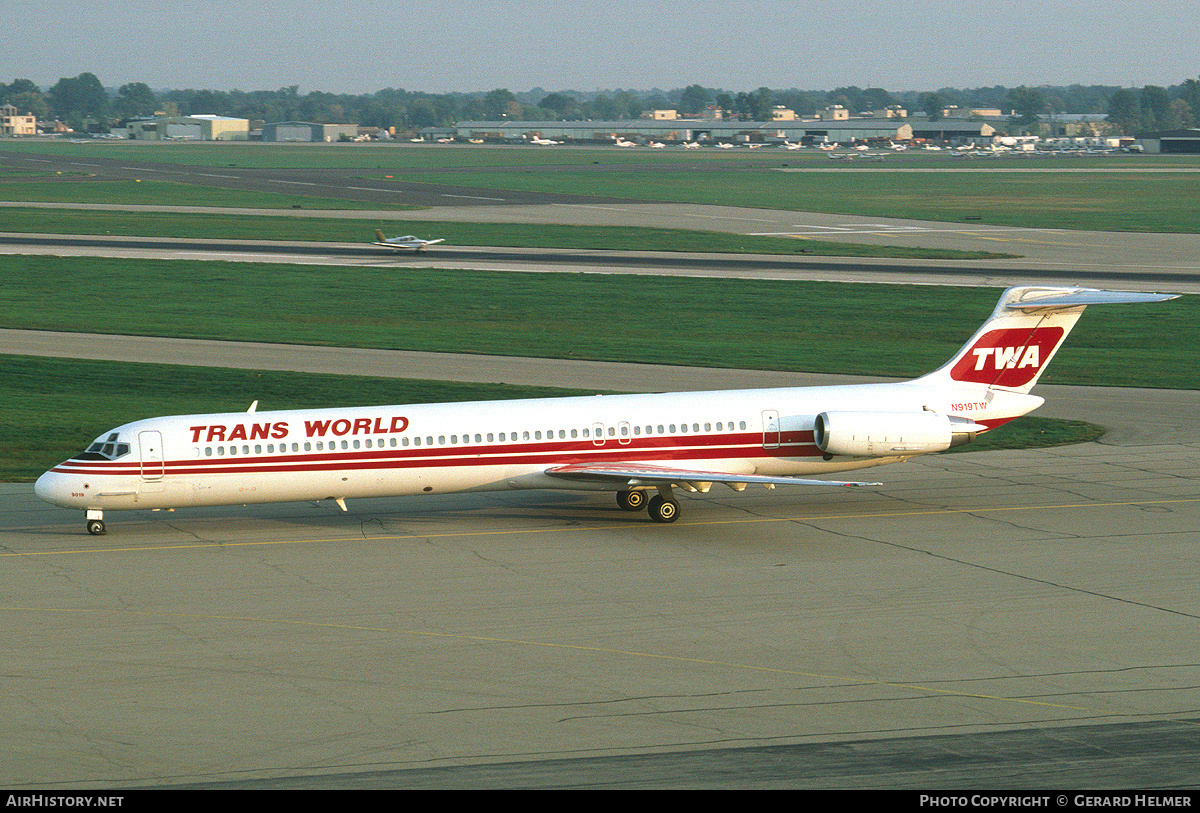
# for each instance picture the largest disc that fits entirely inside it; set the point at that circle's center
(1134, 270)
(1007, 620)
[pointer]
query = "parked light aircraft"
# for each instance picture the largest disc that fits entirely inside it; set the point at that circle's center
(639, 446)
(544, 142)
(405, 242)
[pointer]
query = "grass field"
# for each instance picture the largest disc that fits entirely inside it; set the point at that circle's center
(1117, 201)
(74, 189)
(1113, 193)
(810, 326)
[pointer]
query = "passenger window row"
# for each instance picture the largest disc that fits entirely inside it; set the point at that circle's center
(596, 432)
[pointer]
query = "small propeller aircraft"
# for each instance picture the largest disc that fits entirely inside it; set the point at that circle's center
(406, 242)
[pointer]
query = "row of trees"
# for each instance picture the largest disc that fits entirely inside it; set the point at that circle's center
(83, 98)
(1151, 108)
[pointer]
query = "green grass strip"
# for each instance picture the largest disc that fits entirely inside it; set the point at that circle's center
(1109, 201)
(70, 189)
(756, 324)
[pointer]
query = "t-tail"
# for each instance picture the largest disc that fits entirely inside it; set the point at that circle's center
(1026, 329)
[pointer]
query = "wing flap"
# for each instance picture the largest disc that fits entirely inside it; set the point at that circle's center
(636, 474)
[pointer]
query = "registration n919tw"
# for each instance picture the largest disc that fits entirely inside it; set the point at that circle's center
(641, 447)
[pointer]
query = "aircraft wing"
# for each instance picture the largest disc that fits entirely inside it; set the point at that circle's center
(636, 474)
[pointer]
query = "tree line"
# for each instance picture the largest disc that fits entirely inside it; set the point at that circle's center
(84, 103)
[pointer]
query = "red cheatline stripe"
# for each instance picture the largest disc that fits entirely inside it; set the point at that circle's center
(682, 448)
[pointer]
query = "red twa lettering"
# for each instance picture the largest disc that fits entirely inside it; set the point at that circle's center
(358, 426)
(218, 433)
(1008, 358)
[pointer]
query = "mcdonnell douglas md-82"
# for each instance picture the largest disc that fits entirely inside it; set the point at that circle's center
(639, 446)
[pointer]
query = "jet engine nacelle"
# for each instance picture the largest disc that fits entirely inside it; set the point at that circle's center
(863, 434)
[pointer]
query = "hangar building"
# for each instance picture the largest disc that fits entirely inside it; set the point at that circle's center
(307, 131)
(191, 128)
(683, 130)
(1171, 141)
(729, 131)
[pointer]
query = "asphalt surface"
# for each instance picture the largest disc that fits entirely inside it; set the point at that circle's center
(1000, 620)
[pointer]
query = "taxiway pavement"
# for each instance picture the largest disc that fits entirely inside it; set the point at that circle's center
(1005, 619)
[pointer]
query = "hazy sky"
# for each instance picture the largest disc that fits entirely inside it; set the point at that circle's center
(361, 47)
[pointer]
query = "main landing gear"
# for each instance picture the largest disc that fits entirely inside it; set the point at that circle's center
(662, 507)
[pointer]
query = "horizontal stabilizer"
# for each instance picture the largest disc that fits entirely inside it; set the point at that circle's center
(1088, 296)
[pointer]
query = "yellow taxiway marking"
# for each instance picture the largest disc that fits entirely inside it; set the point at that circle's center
(584, 528)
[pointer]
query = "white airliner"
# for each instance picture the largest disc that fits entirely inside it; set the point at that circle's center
(639, 446)
(405, 242)
(544, 142)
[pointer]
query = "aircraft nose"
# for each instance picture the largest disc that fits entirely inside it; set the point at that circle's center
(53, 488)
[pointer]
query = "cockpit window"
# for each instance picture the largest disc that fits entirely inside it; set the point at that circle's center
(106, 448)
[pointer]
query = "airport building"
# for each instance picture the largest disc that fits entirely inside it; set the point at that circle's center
(307, 131)
(679, 131)
(1171, 141)
(189, 128)
(728, 131)
(13, 123)
(954, 131)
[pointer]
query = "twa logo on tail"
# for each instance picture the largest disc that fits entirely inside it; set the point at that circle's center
(1008, 358)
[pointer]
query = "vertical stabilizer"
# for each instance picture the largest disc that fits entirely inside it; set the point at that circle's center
(1023, 333)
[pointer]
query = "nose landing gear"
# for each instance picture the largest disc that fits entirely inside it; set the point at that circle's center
(95, 522)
